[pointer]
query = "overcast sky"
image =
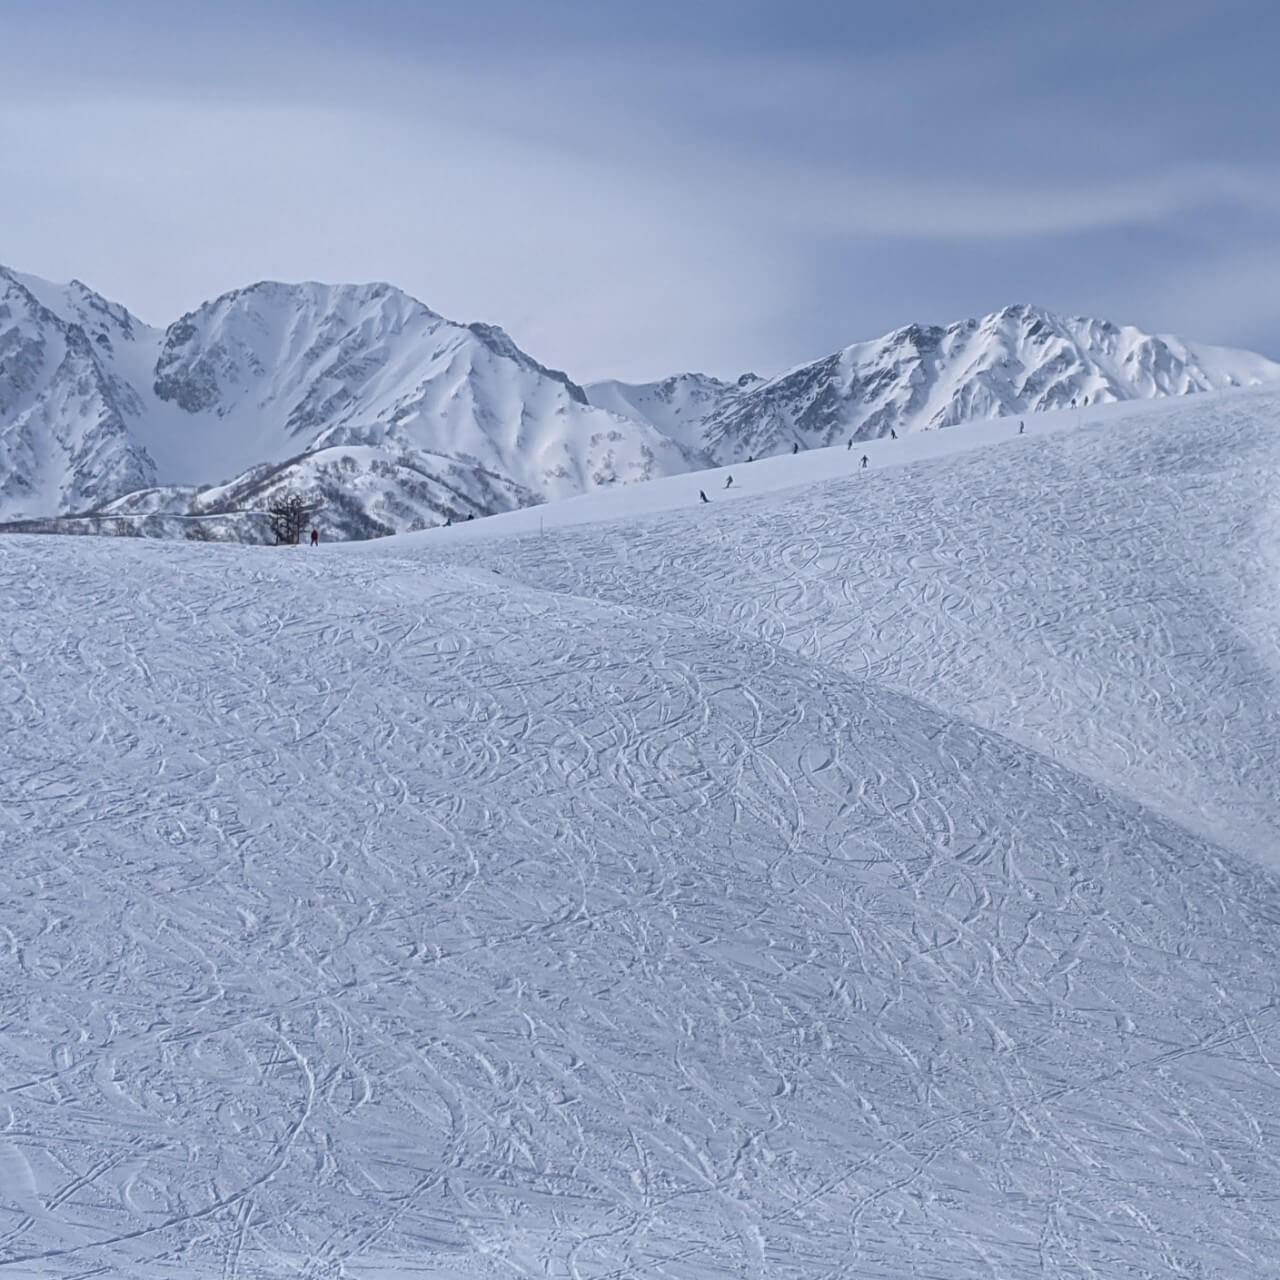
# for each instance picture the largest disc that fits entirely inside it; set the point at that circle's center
(637, 188)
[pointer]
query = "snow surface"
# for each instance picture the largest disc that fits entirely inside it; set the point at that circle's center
(870, 878)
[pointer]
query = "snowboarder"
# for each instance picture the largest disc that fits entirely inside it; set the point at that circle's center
(728, 484)
(315, 536)
(703, 496)
(864, 460)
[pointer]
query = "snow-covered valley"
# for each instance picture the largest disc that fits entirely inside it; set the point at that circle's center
(868, 873)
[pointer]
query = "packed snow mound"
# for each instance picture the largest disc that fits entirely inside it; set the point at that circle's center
(694, 896)
(1017, 361)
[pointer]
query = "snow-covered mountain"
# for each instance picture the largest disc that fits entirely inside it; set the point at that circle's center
(65, 413)
(1017, 361)
(390, 417)
(360, 396)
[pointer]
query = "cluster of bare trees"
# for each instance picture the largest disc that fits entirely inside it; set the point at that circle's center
(289, 516)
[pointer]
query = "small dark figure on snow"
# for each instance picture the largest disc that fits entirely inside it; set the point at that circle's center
(893, 435)
(795, 448)
(728, 484)
(703, 496)
(448, 523)
(865, 460)
(850, 444)
(1022, 426)
(315, 536)
(750, 458)
(471, 515)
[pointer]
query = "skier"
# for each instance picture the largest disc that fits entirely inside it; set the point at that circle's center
(864, 461)
(750, 458)
(728, 484)
(795, 448)
(1022, 426)
(850, 444)
(448, 524)
(893, 435)
(315, 537)
(703, 496)
(471, 515)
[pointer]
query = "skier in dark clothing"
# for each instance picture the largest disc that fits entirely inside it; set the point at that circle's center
(1022, 426)
(703, 496)
(893, 435)
(850, 444)
(315, 536)
(728, 484)
(864, 460)
(795, 448)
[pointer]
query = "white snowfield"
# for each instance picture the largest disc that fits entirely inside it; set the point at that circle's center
(874, 878)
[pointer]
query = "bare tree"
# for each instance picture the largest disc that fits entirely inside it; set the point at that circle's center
(289, 515)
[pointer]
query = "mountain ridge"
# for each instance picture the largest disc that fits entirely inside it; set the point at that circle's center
(392, 417)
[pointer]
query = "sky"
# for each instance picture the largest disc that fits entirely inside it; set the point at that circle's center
(636, 189)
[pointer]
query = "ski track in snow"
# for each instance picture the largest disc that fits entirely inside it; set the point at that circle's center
(803, 889)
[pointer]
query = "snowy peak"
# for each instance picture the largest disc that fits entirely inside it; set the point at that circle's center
(256, 389)
(272, 341)
(1019, 360)
(676, 406)
(64, 436)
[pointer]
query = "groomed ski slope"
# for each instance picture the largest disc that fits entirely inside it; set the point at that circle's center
(872, 879)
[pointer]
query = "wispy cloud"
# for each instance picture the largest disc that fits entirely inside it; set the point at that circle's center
(628, 202)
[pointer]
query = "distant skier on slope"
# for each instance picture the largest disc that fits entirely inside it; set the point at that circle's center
(850, 444)
(893, 435)
(703, 496)
(728, 484)
(315, 537)
(1022, 426)
(865, 460)
(795, 448)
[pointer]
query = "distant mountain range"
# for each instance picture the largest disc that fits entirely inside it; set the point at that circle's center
(391, 417)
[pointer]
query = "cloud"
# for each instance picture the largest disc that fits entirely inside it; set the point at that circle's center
(629, 207)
